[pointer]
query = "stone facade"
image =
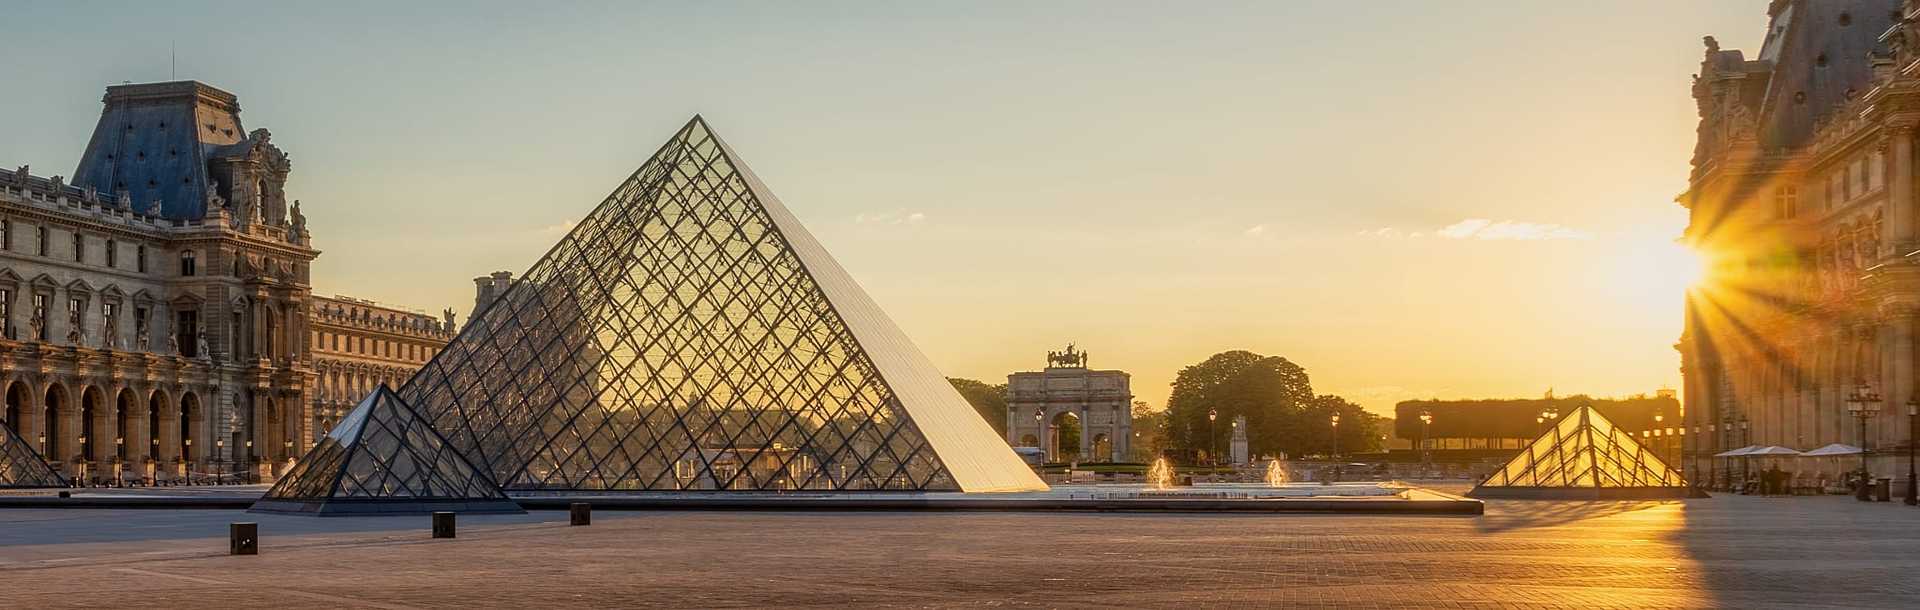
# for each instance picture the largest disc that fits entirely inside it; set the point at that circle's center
(359, 344)
(155, 314)
(1101, 401)
(1802, 197)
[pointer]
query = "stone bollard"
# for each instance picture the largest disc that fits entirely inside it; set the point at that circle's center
(243, 539)
(582, 513)
(442, 524)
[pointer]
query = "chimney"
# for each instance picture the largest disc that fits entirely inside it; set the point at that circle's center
(487, 288)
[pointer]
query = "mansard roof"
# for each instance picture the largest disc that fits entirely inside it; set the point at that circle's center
(1823, 59)
(154, 140)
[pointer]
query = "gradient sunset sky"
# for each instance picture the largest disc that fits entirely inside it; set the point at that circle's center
(1409, 199)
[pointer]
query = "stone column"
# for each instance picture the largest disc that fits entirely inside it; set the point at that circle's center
(256, 428)
(1086, 434)
(1900, 206)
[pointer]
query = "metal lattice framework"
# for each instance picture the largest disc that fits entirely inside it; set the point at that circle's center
(1585, 450)
(21, 466)
(688, 334)
(384, 457)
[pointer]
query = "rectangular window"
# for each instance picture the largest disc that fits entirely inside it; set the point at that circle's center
(41, 242)
(1857, 178)
(6, 235)
(140, 257)
(79, 247)
(113, 258)
(1876, 170)
(1786, 202)
(187, 332)
(6, 313)
(188, 266)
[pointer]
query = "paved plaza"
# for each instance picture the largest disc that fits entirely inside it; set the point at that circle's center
(1819, 552)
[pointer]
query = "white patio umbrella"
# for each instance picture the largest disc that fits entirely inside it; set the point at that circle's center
(1832, 454)
(1736, 452)
(1771, 450)
(1834, 449)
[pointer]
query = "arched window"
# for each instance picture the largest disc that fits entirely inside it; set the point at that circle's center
(187, 264)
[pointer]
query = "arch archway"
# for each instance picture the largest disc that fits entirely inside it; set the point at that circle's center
(1102, 448)
(191, 419)
(16, 410)
(128, 442)
(1063, 436)
(163, 435)
(93, 418)
(53, 404)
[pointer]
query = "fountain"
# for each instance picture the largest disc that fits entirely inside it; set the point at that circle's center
(1276, 474)
(1160, 476)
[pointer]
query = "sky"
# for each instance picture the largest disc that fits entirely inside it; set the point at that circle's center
(1411, 200)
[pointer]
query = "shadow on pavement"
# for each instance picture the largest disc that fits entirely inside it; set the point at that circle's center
(1507, 515)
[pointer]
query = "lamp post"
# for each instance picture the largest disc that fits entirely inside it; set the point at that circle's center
(220, 465)
(1336, 436)
(1913, 411)
(1661, 450)
(1426, 451)
(1746, 438)
(1727, 442)
(1040, 431)
(1863, 404)
(1212, 459)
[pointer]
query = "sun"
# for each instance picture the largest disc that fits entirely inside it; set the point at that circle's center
(1654, 274)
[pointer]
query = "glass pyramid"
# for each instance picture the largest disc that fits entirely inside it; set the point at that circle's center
(690, 334)
(1585, 456)
(21, 466)
(384, 458)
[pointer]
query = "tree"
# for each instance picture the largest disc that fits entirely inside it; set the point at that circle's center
(1150, 433)
(990, 400)
(1359, 430)
(1272, 392)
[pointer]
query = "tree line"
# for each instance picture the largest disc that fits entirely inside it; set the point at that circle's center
(1285, 418)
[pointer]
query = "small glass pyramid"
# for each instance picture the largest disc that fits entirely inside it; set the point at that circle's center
(383, 458)
(1585, 456)
(21, 466)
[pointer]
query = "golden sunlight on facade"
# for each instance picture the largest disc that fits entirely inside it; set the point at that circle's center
(1802, 196)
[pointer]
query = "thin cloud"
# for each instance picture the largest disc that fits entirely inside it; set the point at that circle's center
(1485, 229)
(1255, 231)
(890, 218)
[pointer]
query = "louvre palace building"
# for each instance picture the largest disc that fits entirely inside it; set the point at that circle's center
(1802, 200)
(157, 314)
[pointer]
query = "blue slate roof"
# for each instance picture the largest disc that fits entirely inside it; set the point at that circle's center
(1823, 60)
(154, 141)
